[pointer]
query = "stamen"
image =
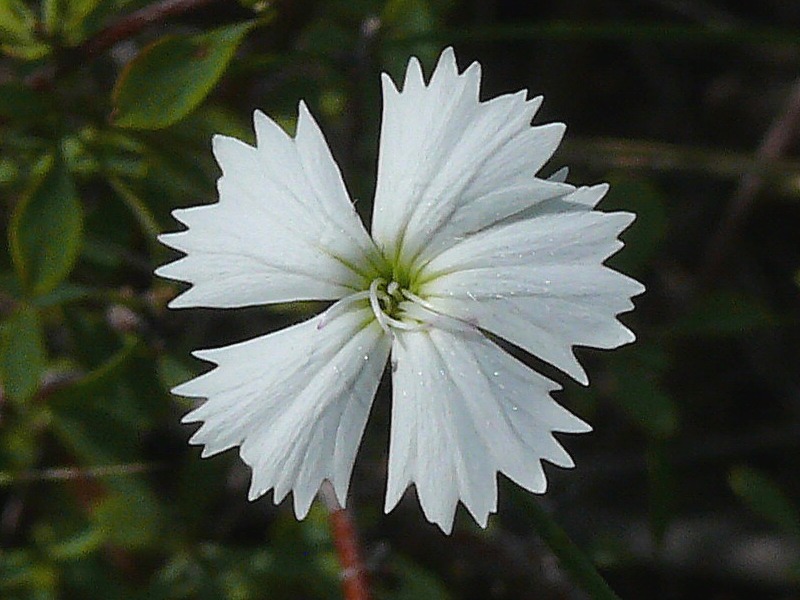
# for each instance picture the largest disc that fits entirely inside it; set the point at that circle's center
(339, 307)
(434, 318)
(387, 323)
(406, 326)
(414, 298)
(374, 302)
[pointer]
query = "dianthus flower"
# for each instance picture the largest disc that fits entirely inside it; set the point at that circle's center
(465, 240)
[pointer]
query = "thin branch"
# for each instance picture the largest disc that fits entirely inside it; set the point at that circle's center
(345, 538)
(603, 153)
(776, 141)
(122, 29)
(74, 473)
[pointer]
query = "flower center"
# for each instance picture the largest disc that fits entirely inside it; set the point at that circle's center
(393, 303)
(386, 300)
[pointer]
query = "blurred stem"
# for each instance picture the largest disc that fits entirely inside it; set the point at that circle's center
(778, 138)
(632, 154)
(140, 211)
(345, 538)
(572, 559)
(121, 29)
(8, 478)
(661, 489)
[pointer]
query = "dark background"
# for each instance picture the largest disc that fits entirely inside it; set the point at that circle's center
(688, 486)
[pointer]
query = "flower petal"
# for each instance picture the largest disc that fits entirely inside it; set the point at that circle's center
(284, 228)
(540, 284)
(296, 401)
(462, 410)
(450, 164)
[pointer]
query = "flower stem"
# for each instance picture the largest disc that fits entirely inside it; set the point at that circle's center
(580, 568)
(345, 539)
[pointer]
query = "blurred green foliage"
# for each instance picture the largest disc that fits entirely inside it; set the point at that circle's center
(106, 113)
(172, 76)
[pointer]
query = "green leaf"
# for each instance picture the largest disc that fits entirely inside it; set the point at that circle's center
(63, 294)
(765, 498)
(22, 353)
(79, 18)
(9, 285)
(111, 152)
(129, 516)
(90, 416)
(46, 230)
(52, 15)
(9, 171)
(17, 31)
(77, 545)
(103, 417)
(172, 76)
(22, 571)
(64, 18)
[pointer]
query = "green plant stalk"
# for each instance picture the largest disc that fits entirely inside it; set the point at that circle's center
(572, 559)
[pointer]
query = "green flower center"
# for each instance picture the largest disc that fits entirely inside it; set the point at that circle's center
(389, 302)
(394, 295)
(386, 297)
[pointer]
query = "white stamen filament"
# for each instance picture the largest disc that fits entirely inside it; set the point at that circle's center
(433, 318)
(340, 307)
(385, 321)
(375, 303)
(416, 299)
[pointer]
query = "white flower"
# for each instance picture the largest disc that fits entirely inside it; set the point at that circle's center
(465, 239)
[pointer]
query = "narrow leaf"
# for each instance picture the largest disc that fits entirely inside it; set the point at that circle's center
(572, 559)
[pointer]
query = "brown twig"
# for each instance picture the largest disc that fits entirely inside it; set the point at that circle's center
(122, 29)
(345, 538)
(776, 141)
